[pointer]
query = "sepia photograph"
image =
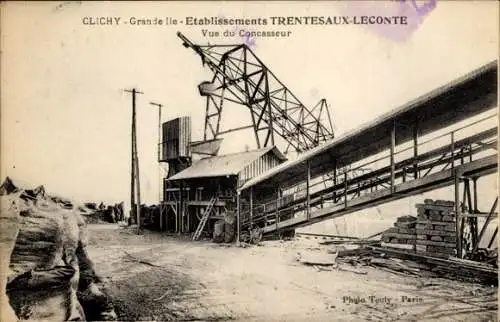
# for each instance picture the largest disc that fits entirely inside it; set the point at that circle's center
(249, 160)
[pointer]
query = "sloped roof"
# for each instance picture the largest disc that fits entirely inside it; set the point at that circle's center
(224, 165)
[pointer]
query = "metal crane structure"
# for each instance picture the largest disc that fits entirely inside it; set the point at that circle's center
(242, 78)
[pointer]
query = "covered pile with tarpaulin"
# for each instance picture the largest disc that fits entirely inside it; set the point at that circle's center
(46, 273)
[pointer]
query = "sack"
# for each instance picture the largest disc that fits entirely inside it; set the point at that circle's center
(44, 264)
(228, 233)
(45, 295)
(219, 231)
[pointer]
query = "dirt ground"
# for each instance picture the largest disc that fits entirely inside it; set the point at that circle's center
(160, 277)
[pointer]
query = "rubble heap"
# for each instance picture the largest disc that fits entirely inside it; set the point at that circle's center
(103, 213)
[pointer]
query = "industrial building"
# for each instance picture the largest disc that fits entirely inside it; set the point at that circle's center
(431, 142)
(209, 187)
(201, 186)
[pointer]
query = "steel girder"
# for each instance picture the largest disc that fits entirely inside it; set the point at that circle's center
(241, 77)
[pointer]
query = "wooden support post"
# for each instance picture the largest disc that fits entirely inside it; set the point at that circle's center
(308, 193)
(135, 183)
(186, 212)
(238, 219)
(486, 223)
(345, 189)
(458, 217)
(452, 150)
(475, 230)
(251, 206)
(133, 209)
(138, 189)
(474, 191)
(176, 214)
(160, 194)
(462, 227)
(393, 144)
(470, 220)
(415, 150)
(464, 194)
(160, 207)
(278, 196)
(181, 207)
(265, 215)
(334, 181)
(493, 237)
(469, 196)
(176, 211)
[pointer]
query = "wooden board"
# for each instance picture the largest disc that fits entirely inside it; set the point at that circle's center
(406, 224)
(435, 207)
(435, 243)
(432, 222)
(434, 232)
(410, 231)
(400, 236)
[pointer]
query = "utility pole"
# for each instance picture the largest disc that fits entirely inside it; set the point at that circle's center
(159, 147)
(134, 179)
(160, 177)
(159, 126)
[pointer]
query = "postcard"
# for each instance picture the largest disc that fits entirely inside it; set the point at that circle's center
(249, 160)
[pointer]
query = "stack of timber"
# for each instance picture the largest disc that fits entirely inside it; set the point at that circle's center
(450, 268)
(436, 228)
(403, 234)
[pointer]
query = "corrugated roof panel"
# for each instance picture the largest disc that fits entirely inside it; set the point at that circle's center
(229, 164)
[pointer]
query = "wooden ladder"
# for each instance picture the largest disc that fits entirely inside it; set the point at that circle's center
(204, 218)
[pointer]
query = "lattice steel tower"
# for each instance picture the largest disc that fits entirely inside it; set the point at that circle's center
(242, 78)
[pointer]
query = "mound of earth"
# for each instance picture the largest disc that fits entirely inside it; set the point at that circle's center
(49, 275)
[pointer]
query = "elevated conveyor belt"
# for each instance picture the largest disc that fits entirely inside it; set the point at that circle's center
(407, 167)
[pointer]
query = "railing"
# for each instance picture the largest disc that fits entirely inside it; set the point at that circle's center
(356, 181)
(196, 195)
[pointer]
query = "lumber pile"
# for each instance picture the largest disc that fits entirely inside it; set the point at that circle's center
(356, 259)
(436, 228)
(431, 233)
(364, 256)
(403, 233)
(450, 268)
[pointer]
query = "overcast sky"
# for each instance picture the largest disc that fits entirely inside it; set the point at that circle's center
(66, 122)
